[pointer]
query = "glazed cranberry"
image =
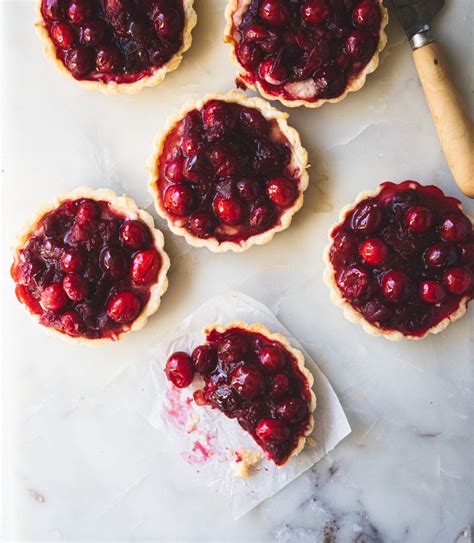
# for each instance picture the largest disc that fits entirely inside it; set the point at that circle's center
(71, 323)
(52, 9)
(174, 170)
(273, 72)
(457, 280)
(217, 116)
(439, 255)
(86, 212)
(145, 266)
(134, 234)
(360, 45)
(354, 282)
(395, 285)
(229, 210)
(53, 297)
(79, 11)
(454, 228)
(272, 358)
(108, 59)
(292, 409)
(374, 251)
(432, 292)
(224, 160)
(274, 12)
(93, 32)
(367, 218)
(124, 307)
(201, 224)
(467, 252)
(233, 349)
(419, 219)
(249, 189)
(80, 61)
(196, 168)
(315, 12)
(344, 248)
(179, 199)
(376, 311)
(63, 35)
(256, 32)
(247, 381)
(75, 287)
(204, 359)
(281, 191)
(179, 369)
(366, 14)
(113, 262)
(272, 431)
(249, 55)
(191, 144)
(167, 22)
(279, 384)
(329, 81)
(261, 215)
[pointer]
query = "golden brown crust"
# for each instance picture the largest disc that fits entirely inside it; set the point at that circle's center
(121, 204)
(329, 276)
(299, 160)
(49, 49)
(298, 356)
(238, 6)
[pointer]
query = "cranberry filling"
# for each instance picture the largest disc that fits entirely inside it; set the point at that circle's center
(114, 40)
(309, 49)
(404, 258)
(225, 173)
(86, 270)
(253, 379)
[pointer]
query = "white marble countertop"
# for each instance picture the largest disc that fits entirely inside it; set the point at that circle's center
(82, 464)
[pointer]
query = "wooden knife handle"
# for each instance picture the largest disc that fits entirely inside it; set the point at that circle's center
(452, 122)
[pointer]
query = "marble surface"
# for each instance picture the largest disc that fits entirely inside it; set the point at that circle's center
(80, 463)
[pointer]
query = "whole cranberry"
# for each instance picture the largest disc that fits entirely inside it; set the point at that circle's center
(419, 219)
(79, 11)
(274, 12)
(249, 55)
(454, 227)
(179, 199)
(467, 252)
(191, 143)
(366, 14)
(457, 280)
(247, 381)
(344, 248)
(167, 22)
(113, 262)
(134, 234)
(360, 45)
(354, 282)
(272, 358)
(395, 285)
(375, 311)
(261, 215)
(93, 32)
(272, 431)
(374, 251)
(330, 81)
(87, 212)
(179, 369)
(273, 72)
(123, 307)
(229, 210)
(108, 59)
(440, 255)
(63, 35)
(367, 218)
(145, 266)
(224, 160)
(174, 170)
(292, 409)
(315, 12)
(80, 61)
(52, 9)
(204, 359)
(53, 297)
(217, 116)
(256, 32)
(249, 189)
(281, 191)
(432, 292)
(201, 224)
(71, 323)
(75, 286)
(233, 349)
(279, 384)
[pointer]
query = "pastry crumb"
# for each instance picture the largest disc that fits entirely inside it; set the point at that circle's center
(312, 442)
(245, 460)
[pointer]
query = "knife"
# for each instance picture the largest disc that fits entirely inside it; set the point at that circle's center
(455, 129)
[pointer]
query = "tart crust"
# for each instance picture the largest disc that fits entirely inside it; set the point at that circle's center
(298, 356)
(329, 276)
(233, 14)
(112, 87)
(299, 160)
(121, 204)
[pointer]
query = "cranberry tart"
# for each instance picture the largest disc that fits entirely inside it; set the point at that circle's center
(228, 172)
(401, 260)
(255, 377)
(116, 45)
(305, 52)
(90, 266)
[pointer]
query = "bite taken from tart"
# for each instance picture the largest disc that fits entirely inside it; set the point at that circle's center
(90, 266)
(256, 377)
(115, 45)
(400, 261)
(228, 172)
(305, 52)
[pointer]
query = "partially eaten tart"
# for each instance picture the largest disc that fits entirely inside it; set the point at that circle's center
(116, 45)
(90, 266)
(228, 172)
(305, 52)
(256, 377)
(400, 261)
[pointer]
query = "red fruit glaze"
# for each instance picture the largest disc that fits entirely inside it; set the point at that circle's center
(179, 369)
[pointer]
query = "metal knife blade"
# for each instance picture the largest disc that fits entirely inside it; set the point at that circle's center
(415, 15)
